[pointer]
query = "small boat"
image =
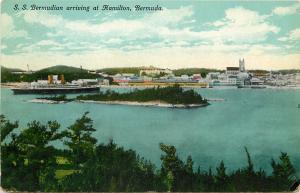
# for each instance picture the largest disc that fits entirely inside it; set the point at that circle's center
(258, 86)
(216, 99)
(243, 86)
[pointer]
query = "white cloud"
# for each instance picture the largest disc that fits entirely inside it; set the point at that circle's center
(54, 46)
(8, 28)
(218, 23)
(283, 39)
(45, 19)
(36, 47)
(241, 16)
(48, 43)
(293, 35)
(260, 50)
(169, 16)
(3, 46)
(118, 26)
(241, 25)
(114, 41)
(287, 10)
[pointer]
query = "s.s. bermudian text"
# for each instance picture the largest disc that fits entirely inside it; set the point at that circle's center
(86, 8)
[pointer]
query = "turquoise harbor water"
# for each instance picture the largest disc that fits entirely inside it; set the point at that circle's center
(266, 121)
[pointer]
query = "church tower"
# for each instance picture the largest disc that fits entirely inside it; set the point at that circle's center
(242, 65)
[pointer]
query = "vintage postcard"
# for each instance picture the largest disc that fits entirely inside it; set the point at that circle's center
(160, 96)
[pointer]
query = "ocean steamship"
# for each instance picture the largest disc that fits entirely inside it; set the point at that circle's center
(55, 86)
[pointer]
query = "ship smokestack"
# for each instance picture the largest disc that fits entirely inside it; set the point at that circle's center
(50, 79)
(62, 79)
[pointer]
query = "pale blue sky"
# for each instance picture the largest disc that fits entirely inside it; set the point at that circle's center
(212, 34)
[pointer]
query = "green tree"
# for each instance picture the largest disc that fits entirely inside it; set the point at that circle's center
(9, 153)
(112, 169)
(79, 140)
(283, 172)
(39, 153)
(246, 179)
(221, 177)
(171, 166)
(6, 127)
(30, 157)
(170, 181)
(207, 183)
(190, 178)
(250, 168)
(189, 165)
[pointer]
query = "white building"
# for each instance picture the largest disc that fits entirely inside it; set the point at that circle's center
(154, 71)
(256, 81)
(184, 77)
(297, 79)
(105, 82)
(85, 82)
(212, 75)
(232, 80)
(232, 70)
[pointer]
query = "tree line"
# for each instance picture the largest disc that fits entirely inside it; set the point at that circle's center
(31, 162)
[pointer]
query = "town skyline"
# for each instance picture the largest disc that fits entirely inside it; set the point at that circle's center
(184, 35)
(149, 66)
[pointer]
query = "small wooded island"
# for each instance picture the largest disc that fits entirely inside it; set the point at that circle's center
(171, 96)
(52, 100)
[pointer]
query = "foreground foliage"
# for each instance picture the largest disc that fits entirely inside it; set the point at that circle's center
(30, 162)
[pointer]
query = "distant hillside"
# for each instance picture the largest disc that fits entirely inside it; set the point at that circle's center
(5, 69)
(191, 71)
(61, 69)
(70, 73)
(113, 71)
(7, 76)
(289, 71)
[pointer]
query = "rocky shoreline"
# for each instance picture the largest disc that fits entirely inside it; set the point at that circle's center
(45, 101)
(145, 104)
